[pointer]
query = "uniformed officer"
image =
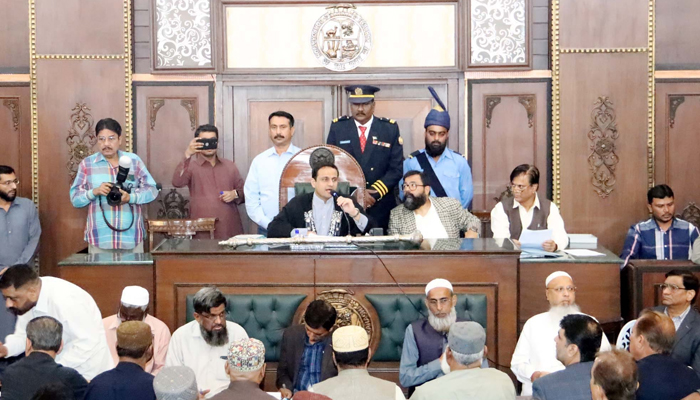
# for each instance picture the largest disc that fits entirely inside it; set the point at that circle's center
(377, 146)
(449, 171)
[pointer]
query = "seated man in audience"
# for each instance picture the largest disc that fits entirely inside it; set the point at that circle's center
(464, 378)
(678, 295)
(134, 304)
(201, 343)
(577, 343)
(128, 380)
(526, 210)
(536, 354)
(21, 380)
(320, 212)
(29, 296)
(663, 236)
(614, 376)
(434, 217)
(245, 367)
(176, 383)
(304, 360)
(660, 375)
(695, 257)
(351, 354)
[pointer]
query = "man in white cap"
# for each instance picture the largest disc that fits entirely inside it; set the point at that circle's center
(425, 339)
(535, 354)
(351, 354)
(464, 378)
(133, 306)
(176, 383)
(246, 367)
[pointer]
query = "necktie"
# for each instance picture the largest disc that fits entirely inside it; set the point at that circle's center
(363, 139)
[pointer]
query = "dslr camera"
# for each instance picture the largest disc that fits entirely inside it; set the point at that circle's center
(114, 197)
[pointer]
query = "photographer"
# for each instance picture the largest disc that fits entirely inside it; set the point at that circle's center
(114, 193)
(216, 186)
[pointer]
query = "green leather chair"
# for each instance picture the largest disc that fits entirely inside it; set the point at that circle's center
(264, 317)
(305, 187)
(396, 313)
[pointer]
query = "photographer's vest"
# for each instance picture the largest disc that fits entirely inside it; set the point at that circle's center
(539, 216)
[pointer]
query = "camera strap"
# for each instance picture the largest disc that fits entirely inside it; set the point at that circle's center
(110, 225)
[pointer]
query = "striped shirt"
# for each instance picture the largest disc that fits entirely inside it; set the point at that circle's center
(92, 172)
(310, 365)
(646, 240)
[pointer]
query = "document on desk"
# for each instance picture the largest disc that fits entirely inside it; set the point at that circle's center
(531, 243)
(583, 253)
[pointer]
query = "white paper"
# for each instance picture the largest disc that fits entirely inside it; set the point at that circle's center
(276, 395)
(534, 239)
(583, 253)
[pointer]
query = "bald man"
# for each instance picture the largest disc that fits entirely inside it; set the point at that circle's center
(535, 354)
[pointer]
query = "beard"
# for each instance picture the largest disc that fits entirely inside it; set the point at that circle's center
(434, 148)
(556, 313)
(21, 311)
(215, 337)
(443, 324)
(413, 203)
(7, 196)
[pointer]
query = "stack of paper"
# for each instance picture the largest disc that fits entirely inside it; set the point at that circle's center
(531, 243)
(582, 241)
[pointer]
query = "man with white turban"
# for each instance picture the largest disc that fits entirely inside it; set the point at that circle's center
(535, 354)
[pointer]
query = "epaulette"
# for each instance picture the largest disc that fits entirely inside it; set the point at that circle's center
(391, 121)
(414, 154)
(343, 118)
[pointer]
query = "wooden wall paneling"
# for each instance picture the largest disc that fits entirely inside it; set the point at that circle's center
(509, 125)
(677, 30)
(677, 136)
(142, 36)
(14, 31)
(603, 24)
(61, 84)
(16, 134)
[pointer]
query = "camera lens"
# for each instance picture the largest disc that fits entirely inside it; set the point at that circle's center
(114, 197)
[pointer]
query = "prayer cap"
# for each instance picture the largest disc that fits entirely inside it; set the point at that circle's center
(466, 337)
(175, 383)
(134, 335)
(350, 338)
(438, 283)
(438, 115)
(246, 355)
(360, 94)
(555, 275)
(135, 296)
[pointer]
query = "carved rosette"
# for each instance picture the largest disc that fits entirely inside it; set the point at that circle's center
(691, 213)
(173, 206)
(530, 105)
(491, 103)
(13, 105)
(675, 101)
(191, 107)
(603, 135)
(350, 311)
(81, 137)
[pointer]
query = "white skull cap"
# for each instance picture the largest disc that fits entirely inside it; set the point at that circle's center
(438, 283)
(555, 275)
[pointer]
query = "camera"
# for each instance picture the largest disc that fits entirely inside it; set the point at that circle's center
(114, 197)
(208, 144)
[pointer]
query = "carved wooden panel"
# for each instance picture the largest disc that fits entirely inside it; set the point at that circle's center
(509, 127)
(677, 29)
(603, 135)
(677, 136)
(14, 31)
(603, 23)
(81, 138)
(498, 33)
(15, 135)
(183, 34)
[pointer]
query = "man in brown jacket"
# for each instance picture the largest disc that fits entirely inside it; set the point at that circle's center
(246, 368)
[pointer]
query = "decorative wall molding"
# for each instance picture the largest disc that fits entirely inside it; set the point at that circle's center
(498, 32)
(154, 105)
(191, 107)
(491, 103)
(350, 311)
(81, 137)
(13, 105)
(183, 36)
(173, 206)
(675, 102)
(530, 104)
(603, 135)
(691, 213)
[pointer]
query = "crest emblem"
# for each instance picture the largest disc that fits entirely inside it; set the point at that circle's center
(341, 39)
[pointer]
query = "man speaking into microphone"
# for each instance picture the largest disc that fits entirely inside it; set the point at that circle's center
(322, 212)
(114, 190)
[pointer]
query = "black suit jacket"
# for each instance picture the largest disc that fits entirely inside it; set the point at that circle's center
(291, 351)
(292, 216)
(687, 346)
(22, 379)
(381, 162)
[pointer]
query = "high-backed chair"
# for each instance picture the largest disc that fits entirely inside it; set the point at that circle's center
(180, 228)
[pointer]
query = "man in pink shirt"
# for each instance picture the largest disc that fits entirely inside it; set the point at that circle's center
(133, 307)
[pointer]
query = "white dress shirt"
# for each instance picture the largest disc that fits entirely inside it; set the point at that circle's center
(500, 226)
(677, 321)
(188, 348)
(368, 125)
(536, 350)
(84, 341)
(430, 225)
(262, 185)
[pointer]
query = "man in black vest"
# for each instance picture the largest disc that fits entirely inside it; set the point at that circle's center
(377, 146)
(526, 210)
(425, 339)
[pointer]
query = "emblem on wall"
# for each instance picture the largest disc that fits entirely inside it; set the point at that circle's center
(341, 38)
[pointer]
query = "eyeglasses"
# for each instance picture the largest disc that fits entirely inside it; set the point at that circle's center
(212, 318)
(108, 138)
(411, 186)
(442, 301)
(518, 188)
(560, 289)
(8, 183)
(671, 286)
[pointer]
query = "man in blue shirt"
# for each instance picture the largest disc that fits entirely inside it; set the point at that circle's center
(663, 236)
(262, 185)
(443, 165)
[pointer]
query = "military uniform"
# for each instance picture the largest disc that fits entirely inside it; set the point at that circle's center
(381, 162)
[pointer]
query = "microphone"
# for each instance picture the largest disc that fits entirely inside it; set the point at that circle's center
(334, 194)
(124, 167)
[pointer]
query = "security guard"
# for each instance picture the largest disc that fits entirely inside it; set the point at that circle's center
(449, 172)
(377, 146)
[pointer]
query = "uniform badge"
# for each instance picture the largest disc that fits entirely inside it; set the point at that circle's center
(341, 39)
(400, 140)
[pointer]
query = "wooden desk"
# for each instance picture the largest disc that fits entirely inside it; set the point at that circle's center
(641, 280)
